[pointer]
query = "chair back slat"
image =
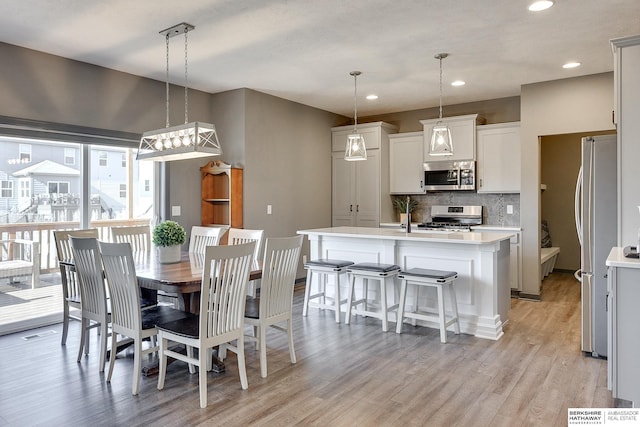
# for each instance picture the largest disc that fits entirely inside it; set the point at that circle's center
(138, 236)
(119, 269)
(224, 284)
(279, 270)
(90, 277)
(63, 251)
(201, 237)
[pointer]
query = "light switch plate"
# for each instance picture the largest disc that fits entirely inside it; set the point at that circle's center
(175, 211)
(268, 209)
(509, 209)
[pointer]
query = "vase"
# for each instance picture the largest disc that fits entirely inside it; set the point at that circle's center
(168, 254)
(403, 219)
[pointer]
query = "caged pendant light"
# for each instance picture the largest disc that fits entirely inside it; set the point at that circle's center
(356, 149)
(187, 141)
(441, 143)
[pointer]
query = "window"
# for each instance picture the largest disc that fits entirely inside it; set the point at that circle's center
(55, 187)
(6, 189)
(147, 185)
(24, 185)
(102, 158)
(124, 160)
(69, 156)
(25, 153)
(123, 191)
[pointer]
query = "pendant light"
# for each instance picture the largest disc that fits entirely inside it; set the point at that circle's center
(187, 141)
(441, 143)
(356, 149)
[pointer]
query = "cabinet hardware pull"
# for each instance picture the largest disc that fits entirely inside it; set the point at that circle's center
(357, 208)
(350, 208)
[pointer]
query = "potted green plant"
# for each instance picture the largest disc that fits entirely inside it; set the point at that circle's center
(400, 203)
(168, 236)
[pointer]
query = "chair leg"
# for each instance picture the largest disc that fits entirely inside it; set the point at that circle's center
(292, 351)
(83, 338)
(137, 365)
(242, 369)
(383, 304)
(112, 356)
(403, 296)
(202, 376)
(65, 323)
(307, 292)
(350, 297)
(162, 368)
(103, 347)
(337, 297)
(443, 327)
(263, 351)
(454, 308)
(192, 367)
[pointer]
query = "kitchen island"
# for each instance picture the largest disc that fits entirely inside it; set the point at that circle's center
(481, 260)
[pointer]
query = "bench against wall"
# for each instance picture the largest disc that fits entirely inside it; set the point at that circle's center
(548, 258)
(18, 258)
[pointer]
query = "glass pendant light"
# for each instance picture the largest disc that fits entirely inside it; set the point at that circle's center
(441, 143)
(356, 149)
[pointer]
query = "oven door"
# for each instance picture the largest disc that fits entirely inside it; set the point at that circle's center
(437, 177)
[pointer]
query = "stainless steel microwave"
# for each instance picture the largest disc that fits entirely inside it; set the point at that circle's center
(450, 176)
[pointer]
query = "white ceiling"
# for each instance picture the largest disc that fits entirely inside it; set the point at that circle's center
(303, 50)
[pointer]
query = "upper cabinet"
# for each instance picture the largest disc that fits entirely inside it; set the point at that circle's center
(498, 166)
(463, 135)
(360, 189)
(405, 163)
(221, 194)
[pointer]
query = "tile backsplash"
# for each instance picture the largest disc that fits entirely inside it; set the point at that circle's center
(494, 206)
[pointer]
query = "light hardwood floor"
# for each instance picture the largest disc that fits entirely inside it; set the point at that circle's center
(352, 375)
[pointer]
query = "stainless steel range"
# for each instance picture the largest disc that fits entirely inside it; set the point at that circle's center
(453, 218)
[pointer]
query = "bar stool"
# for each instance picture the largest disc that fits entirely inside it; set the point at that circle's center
(436, 279)
(379, 273)
(323, 268)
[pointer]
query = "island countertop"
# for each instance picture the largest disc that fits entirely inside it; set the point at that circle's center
(469, 238)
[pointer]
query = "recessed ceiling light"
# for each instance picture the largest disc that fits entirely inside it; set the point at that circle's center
(458, 83)
(539, 5)
(372, 97)
(571, 65)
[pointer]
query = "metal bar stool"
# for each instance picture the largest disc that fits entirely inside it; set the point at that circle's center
(436, 279)
(323, 268)
(379, 273)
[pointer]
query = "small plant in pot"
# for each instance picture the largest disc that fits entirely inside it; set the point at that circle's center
(168, 236)
(400, 203)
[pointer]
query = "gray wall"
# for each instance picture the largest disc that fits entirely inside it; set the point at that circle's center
(581, 104)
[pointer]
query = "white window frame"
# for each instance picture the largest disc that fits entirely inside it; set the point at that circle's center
(24, 187)
(123, 191)
(103, 159)
(24, 149)
(57, 183)
(6, 185)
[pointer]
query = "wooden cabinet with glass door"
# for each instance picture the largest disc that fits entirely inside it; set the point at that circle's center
(221, 194)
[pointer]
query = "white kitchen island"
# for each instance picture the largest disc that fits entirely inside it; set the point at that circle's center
(481, 260)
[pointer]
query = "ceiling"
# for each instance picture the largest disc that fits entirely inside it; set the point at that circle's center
(303, 50)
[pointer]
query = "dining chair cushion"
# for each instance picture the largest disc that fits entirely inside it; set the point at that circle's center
(188, 326)
(330, 263)
(428, 273)
(160, 314)
(375, 267)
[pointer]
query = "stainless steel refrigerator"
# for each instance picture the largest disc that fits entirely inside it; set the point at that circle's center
(596, 223)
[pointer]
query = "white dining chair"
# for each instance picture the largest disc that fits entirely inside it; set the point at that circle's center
(201, 237)
(242, 235)
(274, 306)
(68, 276)
(221, 319)
(93, 294)
(127, 319)
(138, 236)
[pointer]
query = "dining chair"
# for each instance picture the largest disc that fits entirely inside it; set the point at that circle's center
(242, 235)
(138, 236)
(221, 319)
(127, 319)
(68, 277)
(201, 237)
(93, 294)
(274, 305)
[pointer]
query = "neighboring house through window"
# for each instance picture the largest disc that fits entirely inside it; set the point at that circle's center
(124, 160)
(6, 189)
(25, 153)
(69, 156)
(24, 185)
(102, 158)
(58, 187)
(123, 190)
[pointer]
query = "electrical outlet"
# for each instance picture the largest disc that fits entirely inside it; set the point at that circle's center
(509, 209)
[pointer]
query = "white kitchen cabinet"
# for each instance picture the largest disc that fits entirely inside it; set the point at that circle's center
(360, 189)
(406, 169)
(498, 153)
(623, 318)
(515, 254)
(463, 136)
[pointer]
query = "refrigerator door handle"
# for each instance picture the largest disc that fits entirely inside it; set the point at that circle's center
(578, 213)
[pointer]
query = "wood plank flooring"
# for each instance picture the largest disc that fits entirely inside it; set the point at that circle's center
(345, 376)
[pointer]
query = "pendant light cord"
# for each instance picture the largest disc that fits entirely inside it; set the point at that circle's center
(186, 78)
(167, 81)
(355, 103)
(440, 57)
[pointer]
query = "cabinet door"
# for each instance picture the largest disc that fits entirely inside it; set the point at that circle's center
(463, 136)
(368, 190)
(406, 163)
(343, 189)
(499, 159)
